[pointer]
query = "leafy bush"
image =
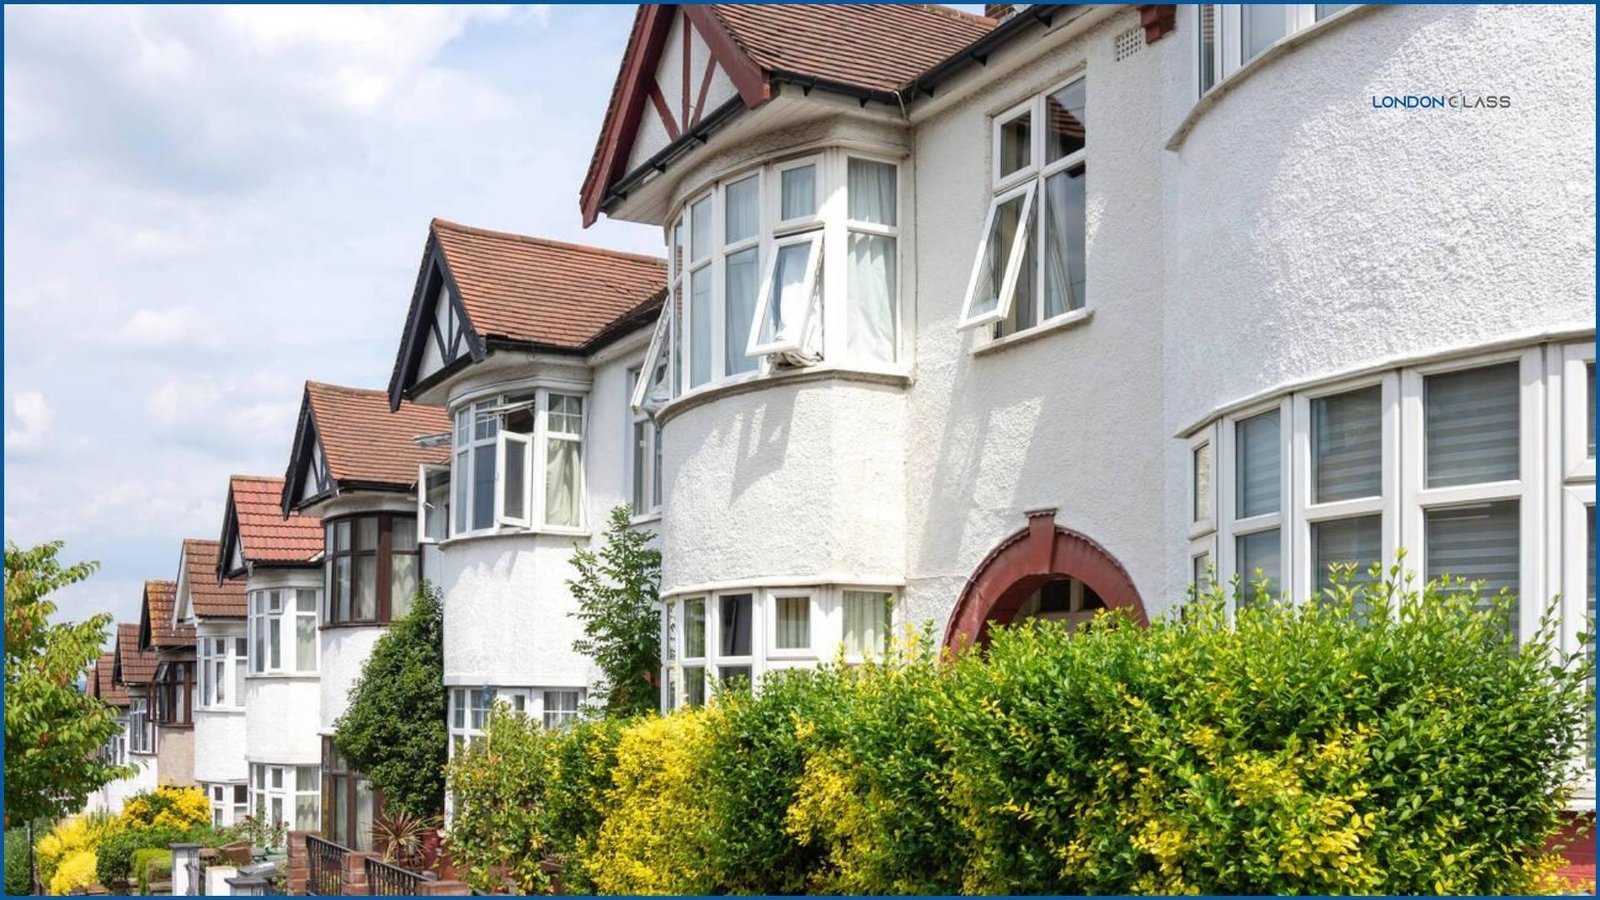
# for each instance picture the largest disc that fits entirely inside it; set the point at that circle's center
(115, 865)
(616, 593)
(70, 837)
(179, 807)
(150, 865)
(75, 871)
(19, 881)
(394, 728)
(1384, 739)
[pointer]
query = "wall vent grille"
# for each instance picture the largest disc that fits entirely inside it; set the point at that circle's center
(1129, 42)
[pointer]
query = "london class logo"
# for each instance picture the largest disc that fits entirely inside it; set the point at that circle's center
(1458, 100)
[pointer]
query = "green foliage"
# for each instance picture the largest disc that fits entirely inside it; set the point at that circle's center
(616, 592)
(394, 728)
(525, 794)
(150, 865)
(1383, 739)
(18, 881)
(115, 862)
(53, 731)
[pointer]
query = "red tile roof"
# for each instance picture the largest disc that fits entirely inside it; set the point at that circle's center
(159, 597)
(532, 290)
(365, 442)
(264, 534)
(103, 685)
(138, 666)
(877, 47)
(209, 599)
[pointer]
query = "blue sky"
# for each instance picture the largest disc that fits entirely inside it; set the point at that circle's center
(207, 206)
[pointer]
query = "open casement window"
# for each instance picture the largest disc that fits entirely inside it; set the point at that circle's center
(650, 394)
(513, 459)
(433, 501)
(788, 296)
(999, 258)
(1230, 35)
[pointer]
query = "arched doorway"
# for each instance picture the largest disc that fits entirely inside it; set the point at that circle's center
(1043, 566)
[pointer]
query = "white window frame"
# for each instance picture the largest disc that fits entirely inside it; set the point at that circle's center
(833, 599)
(1202, 529)
(837, 318)
(1417, 499)
(642, 480)
(260, 616)
(535, 398)
(798, 331)
(1301, 575)
(770, 634)
(262, 793)
(773, 199)
(141, 739)
(1234, 528)
(1577, 406)
(660, 342)
(429, 475)
(1228, 38)
(225, 810)
(1028, 108)
(680, 639)
(1008, 281)
(234, 665)
(559, 718)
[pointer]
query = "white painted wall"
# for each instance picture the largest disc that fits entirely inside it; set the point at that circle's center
(282, 711)
(344, 652)
(219, 734)
(1309, 234)
(111, 796)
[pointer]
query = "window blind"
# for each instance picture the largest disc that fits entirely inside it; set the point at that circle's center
(1347, 445)
(1258, 467)
(1478, 542)
(1470, 430)
(1358, 540)
(1259, 552)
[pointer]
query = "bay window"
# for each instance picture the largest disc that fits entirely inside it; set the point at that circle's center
(283, 631)
(433, 502)
(370, 568)
(287, 794)
(469, 709)
(349, 803)
(223, 662)
(1469, 464)
(1231, 35)
(746, 268)
(1030, 266)
(518, 461)
(644, 455)
(230, 803)
(174, 693)
(714, 641)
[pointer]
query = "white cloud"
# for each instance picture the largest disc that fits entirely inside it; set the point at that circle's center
(181, 401)
(34, 421)
(173, 326)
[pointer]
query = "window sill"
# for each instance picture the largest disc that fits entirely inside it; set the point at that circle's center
(1284, 46)
(1064, 322)
(645, 518)
(345, 626)
(898, 377)
(282, 676)
(221, 710)
(582, 533)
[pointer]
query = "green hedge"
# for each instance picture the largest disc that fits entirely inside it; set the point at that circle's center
(1311, 748)
(150, 865)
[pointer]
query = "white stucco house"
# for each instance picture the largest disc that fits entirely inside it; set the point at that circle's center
(529, 346)
(131, 670)
(103, 685)
(169, 645)
(915, 354)
(354, 467)
(271, 568)
(216, 612)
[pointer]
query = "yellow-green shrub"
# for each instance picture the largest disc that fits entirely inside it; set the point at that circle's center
(179, 807)
(75, 871)
(70, 837)
(653, 838)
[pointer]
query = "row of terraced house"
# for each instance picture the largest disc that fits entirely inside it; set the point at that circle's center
(905, 361)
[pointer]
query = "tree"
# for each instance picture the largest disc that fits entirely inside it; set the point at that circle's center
(394, 728)
(619, 606)
(54, 731)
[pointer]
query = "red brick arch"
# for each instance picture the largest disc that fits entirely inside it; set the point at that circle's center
(1027, 560)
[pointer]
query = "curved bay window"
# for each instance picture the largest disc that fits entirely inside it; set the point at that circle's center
(371, 568)
(174, 693)
(349, 802)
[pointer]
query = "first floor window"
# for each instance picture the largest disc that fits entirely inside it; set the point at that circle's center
(371, 568)
(223, 661)
(174, 693)
(287, 794)
(1231, 34)
(518, 462)
(283, 631)
(644, 455)
(140, 736)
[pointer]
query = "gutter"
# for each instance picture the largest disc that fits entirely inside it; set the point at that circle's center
(978, 51)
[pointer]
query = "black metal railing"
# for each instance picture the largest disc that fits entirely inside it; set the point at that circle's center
(324, 867)
(384, 880)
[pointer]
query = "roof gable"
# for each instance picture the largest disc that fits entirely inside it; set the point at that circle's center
(134, 665)
(156, 625)
(103, 683)
(255, 530)
(512, 291)
(199, 592)
(348, 438)
(685, 65)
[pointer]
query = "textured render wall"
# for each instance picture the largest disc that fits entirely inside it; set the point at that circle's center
(111, 797)
(281, 711)
(219, 735)
(175, 755)
(1072, 420)
(507, 610)
(1310, 234)
(344, 652)
(801, 480)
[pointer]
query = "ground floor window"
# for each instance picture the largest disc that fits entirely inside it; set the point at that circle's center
(469, 708)
(287, 794)
(230, 803)
(722, 638)
(349, 803)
